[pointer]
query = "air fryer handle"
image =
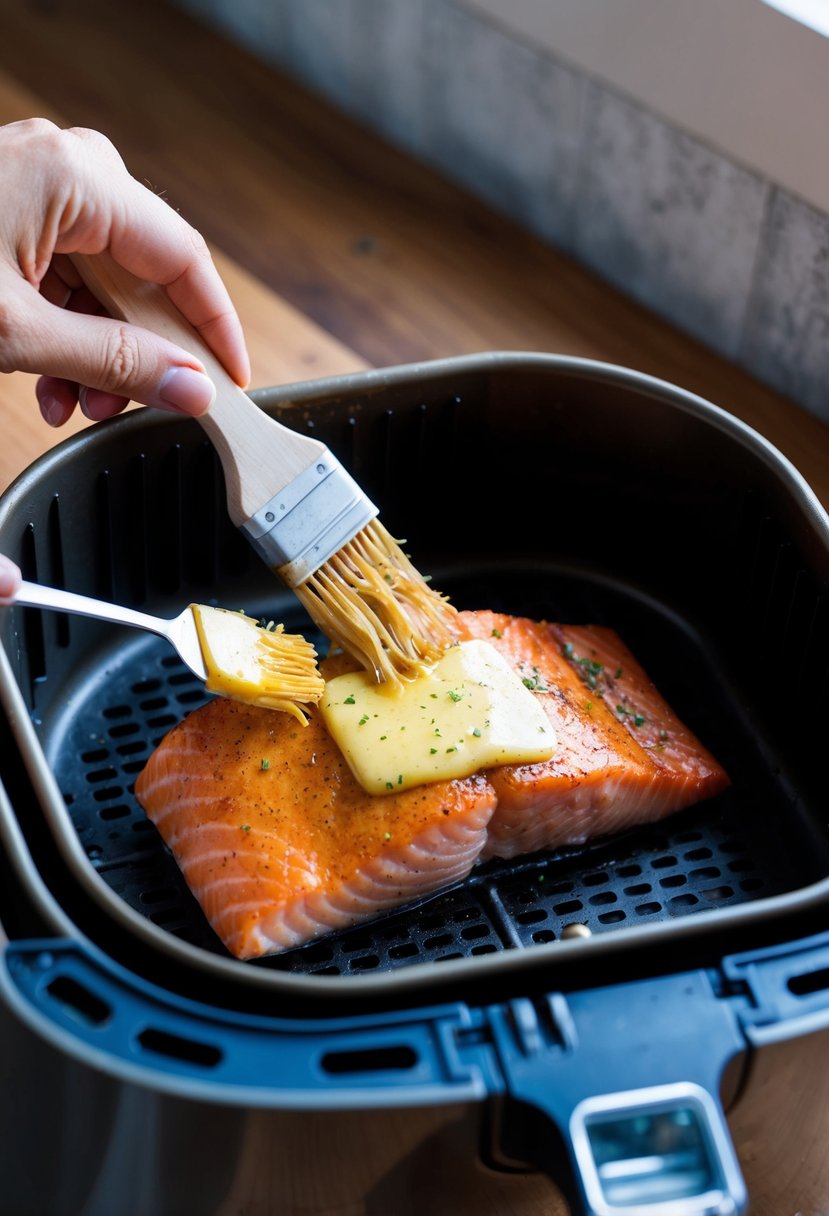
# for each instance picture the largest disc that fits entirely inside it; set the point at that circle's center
(614, 1093)
(665, 1148)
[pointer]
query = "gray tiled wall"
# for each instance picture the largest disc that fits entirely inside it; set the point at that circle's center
(720, 251)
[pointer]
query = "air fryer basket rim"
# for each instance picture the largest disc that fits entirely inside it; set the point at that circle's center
(541, 956)
(377, 379)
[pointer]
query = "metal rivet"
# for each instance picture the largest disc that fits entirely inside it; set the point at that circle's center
(269, 516)
(320, 468)
(575, 930)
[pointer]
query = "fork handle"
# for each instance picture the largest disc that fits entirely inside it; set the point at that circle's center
(35, 595)
(259, 456)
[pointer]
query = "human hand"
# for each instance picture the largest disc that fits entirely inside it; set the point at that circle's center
(9, 580)
(68, 191)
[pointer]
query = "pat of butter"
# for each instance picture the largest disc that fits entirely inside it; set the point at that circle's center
(232, 652)
(261, 666)
(468, 712)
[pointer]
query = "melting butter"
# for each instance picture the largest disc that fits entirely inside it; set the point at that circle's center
(231, 652)
(265, 667)
(468, 712)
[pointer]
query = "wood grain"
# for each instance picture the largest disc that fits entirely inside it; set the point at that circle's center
(285, 346)
(380, 252)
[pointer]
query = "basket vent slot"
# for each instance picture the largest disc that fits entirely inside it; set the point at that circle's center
(79, 1002)
(57, 577)
(175, 1047)
(370, 1059)
(810, 983)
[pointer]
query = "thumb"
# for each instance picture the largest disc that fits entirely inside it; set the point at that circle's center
(9, 580)
(113, 357)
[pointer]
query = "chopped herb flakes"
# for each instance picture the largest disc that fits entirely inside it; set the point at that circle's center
(534, 682)
(245, 827)
(591, 669)
(363, 720)
(591, 665)
(476, 731)
(349, 700)
(454, 695)
(266, 764)
(387, 835)
(496, 633)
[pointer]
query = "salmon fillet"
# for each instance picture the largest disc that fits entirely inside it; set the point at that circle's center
(280, 844)
(622, 756)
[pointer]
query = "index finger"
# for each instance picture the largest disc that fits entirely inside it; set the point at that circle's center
(156, 244)
(151, 240)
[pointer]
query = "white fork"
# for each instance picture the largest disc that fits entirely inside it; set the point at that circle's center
(180, 631)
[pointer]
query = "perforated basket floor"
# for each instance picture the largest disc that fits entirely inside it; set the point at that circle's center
(741, 846)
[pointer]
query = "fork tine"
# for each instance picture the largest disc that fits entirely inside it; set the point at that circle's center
(183, 635)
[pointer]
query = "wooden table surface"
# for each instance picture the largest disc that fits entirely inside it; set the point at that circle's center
(340, 252)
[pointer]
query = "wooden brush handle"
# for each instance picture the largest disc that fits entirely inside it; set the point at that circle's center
(259, 455)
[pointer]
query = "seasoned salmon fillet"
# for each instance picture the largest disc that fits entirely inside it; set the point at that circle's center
(622, 758)
(278, 842)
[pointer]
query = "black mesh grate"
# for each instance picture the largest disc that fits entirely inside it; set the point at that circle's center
(739, 847)
(537, 474)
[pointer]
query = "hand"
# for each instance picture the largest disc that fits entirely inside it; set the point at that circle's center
(68, 191)
(9, 580)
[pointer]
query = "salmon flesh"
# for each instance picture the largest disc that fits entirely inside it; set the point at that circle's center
(280, 844)
(622, 757)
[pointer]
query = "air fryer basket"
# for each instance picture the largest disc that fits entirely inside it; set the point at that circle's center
(546, 487)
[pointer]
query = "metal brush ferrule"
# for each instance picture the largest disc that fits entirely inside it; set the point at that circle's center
(304, 525)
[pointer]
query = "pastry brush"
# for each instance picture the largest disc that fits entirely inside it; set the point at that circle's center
(235, 655)
(300, 509)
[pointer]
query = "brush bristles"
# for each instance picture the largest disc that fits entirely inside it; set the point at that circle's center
(289, 667)
(370, 599)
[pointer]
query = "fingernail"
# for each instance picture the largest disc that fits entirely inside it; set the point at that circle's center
(186, 390)
(52, 411)
(97, 405)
